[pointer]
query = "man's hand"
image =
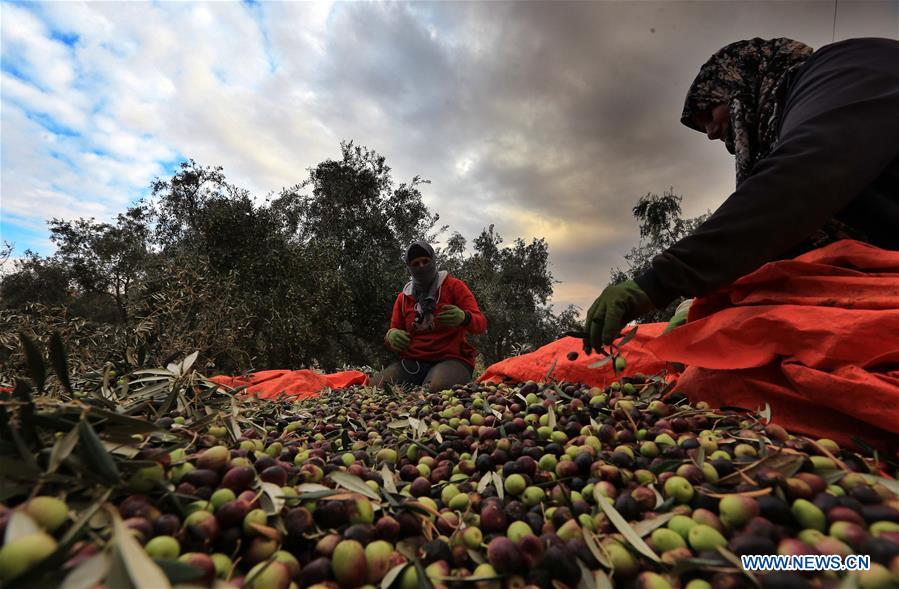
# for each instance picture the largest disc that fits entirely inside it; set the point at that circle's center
(451, 316)
(398, 339)
(611, 311)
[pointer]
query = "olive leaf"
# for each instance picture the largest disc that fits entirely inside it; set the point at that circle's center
(486, 480)
(353, 483)
(389, 479)
(552, 368)
(498, 484)
(588, 581)
(783, 462)
(593, 546)
(272, 498)
(95, 455)
(648, 525)
(700, 456)
(601, 363)
(734, 560)
(179, 572)
(304, 488)
(659, 499)
(19, 524)
(89, 573)
(627, 337)
(58, 360)
(476, 556)
(35, 361)
(62, 448)
(142, 571)
(424, 581)
(602, 579)
(891, 484)
(392, 575)
(625, 528)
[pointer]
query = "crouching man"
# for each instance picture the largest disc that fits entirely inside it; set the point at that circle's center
(431, 317)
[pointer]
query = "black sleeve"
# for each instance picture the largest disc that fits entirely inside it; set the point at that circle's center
(839, 131)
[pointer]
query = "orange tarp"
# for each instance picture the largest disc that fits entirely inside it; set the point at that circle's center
(816, 337)
(535, 365)
(297, 384)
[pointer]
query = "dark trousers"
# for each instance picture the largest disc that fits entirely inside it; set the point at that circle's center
(434, 376)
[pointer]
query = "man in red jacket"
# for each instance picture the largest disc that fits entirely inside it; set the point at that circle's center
(431, 318)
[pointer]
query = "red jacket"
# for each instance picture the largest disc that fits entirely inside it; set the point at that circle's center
(440, 342)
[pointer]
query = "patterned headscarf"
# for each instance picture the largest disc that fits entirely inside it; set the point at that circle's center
(747, 76)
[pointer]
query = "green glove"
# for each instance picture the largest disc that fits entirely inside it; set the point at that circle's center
(451, 315)
(398, 339)
(680, 315)
(611, 311)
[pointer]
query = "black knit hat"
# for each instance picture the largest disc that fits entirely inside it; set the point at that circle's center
(419, 249)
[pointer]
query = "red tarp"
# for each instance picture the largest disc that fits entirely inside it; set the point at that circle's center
(535, 365)
(297, 384)
(816, 337)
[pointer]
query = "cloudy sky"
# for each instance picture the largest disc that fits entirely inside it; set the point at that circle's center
(548, 119)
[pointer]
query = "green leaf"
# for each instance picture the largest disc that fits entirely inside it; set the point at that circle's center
(648, 525)
(628, 337)
(19, 524)
(134, 424)
(424, 581)
(143, 572)
(588, 581)
(86, 515)
(353, 483)
(10, 467)
(593, 546)
(486, 480)
(96, 456)
(179, 572)
(832, 475)
(311, 488)
(784, 463)
(58, 360)
(392, 575)
(8, 490)
(601, 363)
(389, 479)
(734, 560)
(272, 499)
(891, 484)
(89, 573)
(35, 361)
(498, 485)
(665, 465)
(62, 449)
(625, 528)
(552, 368)
(26, 454)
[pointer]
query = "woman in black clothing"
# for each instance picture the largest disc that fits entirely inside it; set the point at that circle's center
(816, 141)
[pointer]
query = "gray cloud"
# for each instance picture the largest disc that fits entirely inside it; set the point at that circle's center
(548, 119)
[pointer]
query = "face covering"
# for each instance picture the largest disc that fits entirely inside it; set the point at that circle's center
(424, 284)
